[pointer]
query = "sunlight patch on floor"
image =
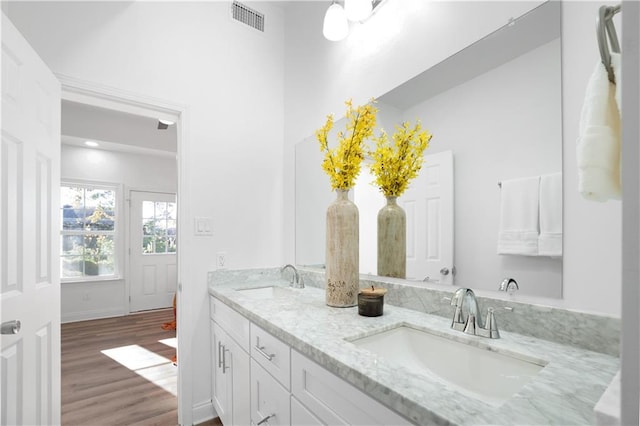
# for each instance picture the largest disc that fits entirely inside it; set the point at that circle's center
(172, 342)
(149, 365)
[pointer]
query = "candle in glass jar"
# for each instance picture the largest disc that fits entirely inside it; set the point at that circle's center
(371, 301)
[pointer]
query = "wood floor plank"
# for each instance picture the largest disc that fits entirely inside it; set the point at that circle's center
(138, 387)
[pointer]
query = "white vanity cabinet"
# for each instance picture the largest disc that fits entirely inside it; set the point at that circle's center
(333, 401)
(231, 364)
(257, 378)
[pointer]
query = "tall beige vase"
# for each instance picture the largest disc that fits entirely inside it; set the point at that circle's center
(392, 240)
(342, 257)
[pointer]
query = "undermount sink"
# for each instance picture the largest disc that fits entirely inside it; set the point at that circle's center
(480, 373)
(270, 292)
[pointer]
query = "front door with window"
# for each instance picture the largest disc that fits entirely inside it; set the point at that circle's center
(153, 277)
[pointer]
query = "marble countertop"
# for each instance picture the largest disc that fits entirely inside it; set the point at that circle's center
(564, 392)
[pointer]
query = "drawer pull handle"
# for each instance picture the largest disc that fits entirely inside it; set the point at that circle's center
(265, 419)
(261, 351)
(224, 359)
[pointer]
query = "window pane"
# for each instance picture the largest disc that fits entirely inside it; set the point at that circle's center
(100, 206)
(161, 245)
(70, 219)
(71, 197)
(148, 227)
(172, 211)
(171, 244)
(72, 245)
(161, 228)
(148, 245)
(98, 253)
(171, 227)
(148, 209)
(71, 266)
(161, 210)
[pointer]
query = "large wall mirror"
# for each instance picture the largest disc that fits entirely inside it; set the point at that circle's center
(495, 109)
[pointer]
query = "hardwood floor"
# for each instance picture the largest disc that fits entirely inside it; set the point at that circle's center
(116, 371)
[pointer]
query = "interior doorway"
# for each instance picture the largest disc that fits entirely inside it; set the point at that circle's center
(133, 163)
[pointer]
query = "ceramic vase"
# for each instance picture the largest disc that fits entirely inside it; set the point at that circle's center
(342, 256)
(392, 240)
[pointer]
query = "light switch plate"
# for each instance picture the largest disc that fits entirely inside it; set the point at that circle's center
(203, 226)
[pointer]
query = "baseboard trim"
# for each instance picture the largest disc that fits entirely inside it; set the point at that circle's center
(203, 411)
(91, 315)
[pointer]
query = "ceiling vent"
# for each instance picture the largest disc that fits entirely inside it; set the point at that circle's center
(247, 16)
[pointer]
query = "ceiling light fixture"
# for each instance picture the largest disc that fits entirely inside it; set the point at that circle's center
(91, 144)
(358, 10)
(336, 26)
(164, 124)
(336, 19)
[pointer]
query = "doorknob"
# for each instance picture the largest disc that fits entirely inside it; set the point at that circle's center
(11, 327)
(444, 271)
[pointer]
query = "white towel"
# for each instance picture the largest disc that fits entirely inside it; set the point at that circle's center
(616, 63)
(550, 239)
(598, 147)
(518, 231)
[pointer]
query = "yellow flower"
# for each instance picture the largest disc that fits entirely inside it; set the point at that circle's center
(342, 163)
(395, 166)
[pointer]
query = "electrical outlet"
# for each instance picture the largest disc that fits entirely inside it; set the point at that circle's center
(221, 260)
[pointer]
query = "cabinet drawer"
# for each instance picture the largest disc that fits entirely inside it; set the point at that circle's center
(334, 401)
(300, 415)
(233, 323)
(272, 354)
(268, 398)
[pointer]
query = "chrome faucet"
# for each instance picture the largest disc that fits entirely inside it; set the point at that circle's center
(465, 297)
(510, 285)
(296, 279)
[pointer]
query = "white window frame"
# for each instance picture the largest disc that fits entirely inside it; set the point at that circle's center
(117, 230)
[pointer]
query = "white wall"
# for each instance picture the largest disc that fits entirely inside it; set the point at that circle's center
(230, 77)
(406, 37)
(105, 298)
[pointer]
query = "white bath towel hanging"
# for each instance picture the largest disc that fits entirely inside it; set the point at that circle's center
(616, 64)
(550, 239)
(598, 148)
(518, 229)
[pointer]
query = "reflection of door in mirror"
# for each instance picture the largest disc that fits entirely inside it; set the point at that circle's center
(429, 205)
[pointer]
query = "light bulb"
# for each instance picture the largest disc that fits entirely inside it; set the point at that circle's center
(358, 10)
(335, 26)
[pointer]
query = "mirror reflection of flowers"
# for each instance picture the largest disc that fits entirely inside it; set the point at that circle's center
(395, 165)
(342, 163)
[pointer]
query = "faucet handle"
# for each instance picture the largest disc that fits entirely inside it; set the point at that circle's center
(470, 325)
(491, 325)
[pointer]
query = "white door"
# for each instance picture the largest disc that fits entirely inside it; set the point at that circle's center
(29, 235)
(153, 250)
(428, 203)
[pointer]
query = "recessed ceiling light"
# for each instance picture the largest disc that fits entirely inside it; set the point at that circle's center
(92, 144)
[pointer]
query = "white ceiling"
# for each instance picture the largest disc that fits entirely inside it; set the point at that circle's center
(115, 130)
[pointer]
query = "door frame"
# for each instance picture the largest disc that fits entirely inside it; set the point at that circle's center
(95, 94)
